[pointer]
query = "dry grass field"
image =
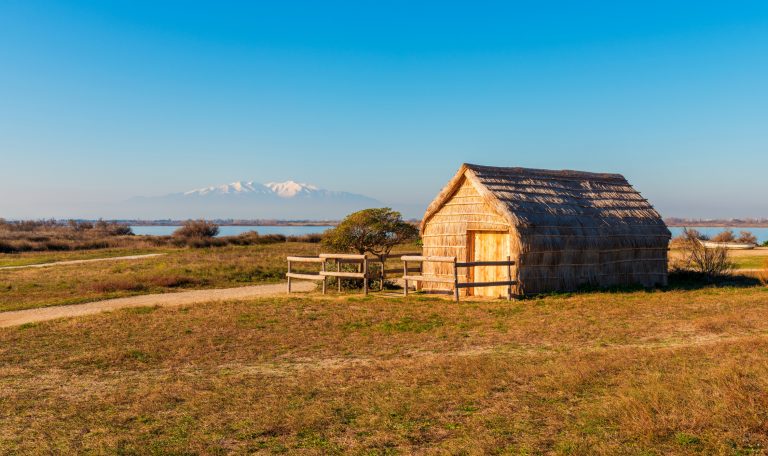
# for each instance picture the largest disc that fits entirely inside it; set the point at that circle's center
(681, 371)
(675, 372)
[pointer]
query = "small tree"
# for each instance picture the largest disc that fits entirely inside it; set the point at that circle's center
(374, 231)
(197, 229)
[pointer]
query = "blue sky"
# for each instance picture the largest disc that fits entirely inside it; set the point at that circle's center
(104, 100)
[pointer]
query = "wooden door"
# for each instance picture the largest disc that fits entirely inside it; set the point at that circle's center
(489, 246)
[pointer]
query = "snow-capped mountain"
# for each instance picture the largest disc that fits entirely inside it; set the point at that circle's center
(249, 199)
(287, 189)
(225, 189)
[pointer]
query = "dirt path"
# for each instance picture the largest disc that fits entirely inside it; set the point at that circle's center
(90, 260)
(19, 317)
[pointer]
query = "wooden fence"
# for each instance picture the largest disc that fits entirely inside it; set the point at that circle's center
(339, 258)
(363, 271)
(455, 280)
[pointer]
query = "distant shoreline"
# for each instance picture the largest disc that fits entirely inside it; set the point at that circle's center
(228, 222)
(762, 223)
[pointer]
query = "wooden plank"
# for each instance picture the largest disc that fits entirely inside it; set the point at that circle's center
(395, 271)
(397, 256)
(485, 284)
(295, 275)
(427, 279)
(306, 259)
(351, 275)
(471, 264)
(436, 259)
(344, 256)
(345, 261)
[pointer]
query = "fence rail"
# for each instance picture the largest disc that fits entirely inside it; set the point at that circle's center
(455, 280)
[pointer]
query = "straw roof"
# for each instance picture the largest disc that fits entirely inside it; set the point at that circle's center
(555, 210)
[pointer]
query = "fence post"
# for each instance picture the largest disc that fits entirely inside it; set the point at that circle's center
(509, 278)
(383, 272)
(289, 277)
(338, 269)
(365, 276)
(418, 284)
(455, 280)
(324, 277)
(405, 274)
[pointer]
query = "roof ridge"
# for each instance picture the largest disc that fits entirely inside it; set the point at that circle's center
(546, 172)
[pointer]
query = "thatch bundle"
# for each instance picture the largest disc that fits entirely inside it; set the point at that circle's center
(567, 228)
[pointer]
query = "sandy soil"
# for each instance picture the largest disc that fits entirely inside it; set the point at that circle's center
(20, 317)
(91, 260)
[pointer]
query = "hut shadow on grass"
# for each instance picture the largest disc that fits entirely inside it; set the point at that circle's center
(678, 281)
(689, 280)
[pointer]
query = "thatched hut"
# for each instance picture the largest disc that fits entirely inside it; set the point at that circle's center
(564, 230)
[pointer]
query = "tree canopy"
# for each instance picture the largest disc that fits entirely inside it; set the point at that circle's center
(374, 231)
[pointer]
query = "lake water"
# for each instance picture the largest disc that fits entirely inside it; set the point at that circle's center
(760, 233)
(235, 230)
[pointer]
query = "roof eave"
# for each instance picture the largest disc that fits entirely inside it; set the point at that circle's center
(445, 194)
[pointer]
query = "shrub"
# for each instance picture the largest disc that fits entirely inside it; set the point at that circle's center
(173, 281)
(199, 243)
(711, 262)
(197, 229)
(272, 238)
(57, 245)
(725, 236)
(120, 229)
(313, 238)
(681, 240)
(6, 247)
(118, 284)
(745, 237)
(75, 225)
(247, 238)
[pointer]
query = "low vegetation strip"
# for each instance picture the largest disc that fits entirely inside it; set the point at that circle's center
(676, 372)
(21, 317)
(90, 260)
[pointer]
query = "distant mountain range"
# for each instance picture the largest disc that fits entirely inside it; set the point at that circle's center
(251, 200)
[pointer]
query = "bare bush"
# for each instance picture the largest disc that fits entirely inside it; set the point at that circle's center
(746, 237)
(711, 262)
(725, 236)
(681, 240)
(200, 229)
